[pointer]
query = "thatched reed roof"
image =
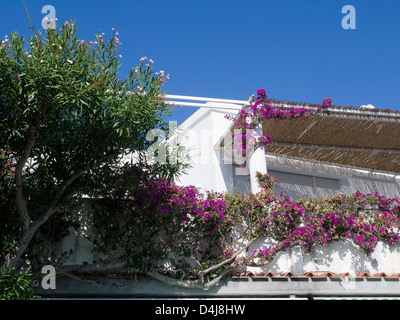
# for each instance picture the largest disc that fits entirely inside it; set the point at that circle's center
(366, 141)
(348, 136)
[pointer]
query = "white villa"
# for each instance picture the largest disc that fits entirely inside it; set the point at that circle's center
(348, 150)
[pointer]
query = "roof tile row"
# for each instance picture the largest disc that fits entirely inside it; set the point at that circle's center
(315, 275)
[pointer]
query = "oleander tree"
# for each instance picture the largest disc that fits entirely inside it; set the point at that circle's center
(67, 119)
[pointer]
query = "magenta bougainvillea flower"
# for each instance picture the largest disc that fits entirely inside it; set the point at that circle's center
(248, 118)
(261, 92)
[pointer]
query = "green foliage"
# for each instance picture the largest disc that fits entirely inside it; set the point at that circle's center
(10, 225)
(67, 118)
(16, 285)
(69, 91)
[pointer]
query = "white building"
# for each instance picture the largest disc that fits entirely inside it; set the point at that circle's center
(351, 149)
(348, 150)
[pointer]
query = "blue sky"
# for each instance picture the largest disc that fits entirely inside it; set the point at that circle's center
(295, 50)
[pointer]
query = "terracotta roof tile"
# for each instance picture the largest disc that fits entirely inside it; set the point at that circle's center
(288, 275)
(344, 274)
(380, 275)
(314, 275)
(363, 275)
(322, 274)
(265, 275)
(271, 274)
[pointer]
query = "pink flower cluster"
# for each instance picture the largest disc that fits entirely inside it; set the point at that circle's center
(180, 208)
(363, 218)
(191, 219)
(262, 110)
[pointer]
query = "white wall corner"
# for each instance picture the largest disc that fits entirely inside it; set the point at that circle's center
(397, 182)
(257, 162)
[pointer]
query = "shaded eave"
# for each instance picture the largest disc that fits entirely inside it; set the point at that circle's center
(248, 285)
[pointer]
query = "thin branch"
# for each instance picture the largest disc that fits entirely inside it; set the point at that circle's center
(202, 273)
(106, 265)
(194, 284)
(199, 283)
(21, 203)
(27, 13)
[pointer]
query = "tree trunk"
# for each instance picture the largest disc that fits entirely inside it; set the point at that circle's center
(27, 236)
(20, 200)
(32, 228)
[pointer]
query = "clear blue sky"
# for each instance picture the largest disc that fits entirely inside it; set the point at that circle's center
(295, 50)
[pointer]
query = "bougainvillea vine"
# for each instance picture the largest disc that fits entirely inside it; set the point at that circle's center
(249, 118)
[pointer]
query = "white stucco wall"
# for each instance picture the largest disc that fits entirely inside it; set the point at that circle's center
(200, 134)
(339, 257)
(79, 241)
